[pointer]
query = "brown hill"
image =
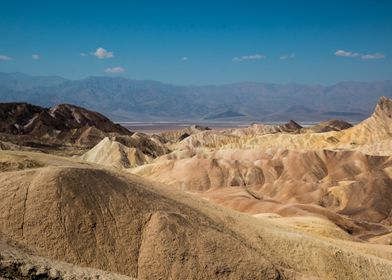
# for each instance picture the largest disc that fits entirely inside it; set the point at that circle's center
(74, 212)
(178, 135)
(61, 124)
(330, 125)
(17, 262)
(259, 129)
(104, 220)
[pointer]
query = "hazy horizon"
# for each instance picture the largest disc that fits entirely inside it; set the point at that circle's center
(201, 85)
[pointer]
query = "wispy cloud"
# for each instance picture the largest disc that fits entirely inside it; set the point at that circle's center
(184, 58)
(115, 70)
(362, 56)
(83, 54)
(35, 56)
(101, 53)
(5, 57)
(346, 53)
(287, 56)
(373, 56)
(248, 57)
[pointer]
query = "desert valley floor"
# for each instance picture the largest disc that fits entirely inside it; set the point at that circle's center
(84, 198)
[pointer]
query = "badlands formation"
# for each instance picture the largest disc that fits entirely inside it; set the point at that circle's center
(261, 202)
(55, 128)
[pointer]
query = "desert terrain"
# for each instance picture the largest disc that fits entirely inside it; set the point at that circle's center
(84, 198)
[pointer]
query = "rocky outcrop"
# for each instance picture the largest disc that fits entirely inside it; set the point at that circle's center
(125, 151)
(260, 129)
(114, 154)
(178, 135)
(76, 117)
(14, 116)
(62, 124)
(330, 125)
(375, 129)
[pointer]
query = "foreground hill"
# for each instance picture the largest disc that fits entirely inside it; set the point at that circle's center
(125, 99)
(17, 262)
(75, 212)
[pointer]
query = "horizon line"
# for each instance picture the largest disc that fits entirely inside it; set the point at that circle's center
(197, 85)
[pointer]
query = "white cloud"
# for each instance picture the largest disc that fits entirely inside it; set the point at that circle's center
(83, 54)
(346, 53)
(101, 53)
(248, 57)
(185, 58)
(35, 56)
(373, 56)
(287, 56)
(363, 56)
(115, 70)
(5, 57)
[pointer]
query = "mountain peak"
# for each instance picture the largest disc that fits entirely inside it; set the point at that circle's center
(384, 107)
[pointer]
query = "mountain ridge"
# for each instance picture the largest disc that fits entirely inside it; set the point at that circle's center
(123, 99)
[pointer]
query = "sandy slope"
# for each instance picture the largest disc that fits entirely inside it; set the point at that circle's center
(97, 218)
(114, 221)
(16, 262)
(126, 151)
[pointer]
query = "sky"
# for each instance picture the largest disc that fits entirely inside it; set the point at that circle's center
(199, 42)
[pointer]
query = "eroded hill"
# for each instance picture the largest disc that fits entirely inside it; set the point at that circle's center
(316, 201)
(34, 126)
(333, 170)
(89, 216)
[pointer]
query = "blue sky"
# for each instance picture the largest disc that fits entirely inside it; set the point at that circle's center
(199, 42)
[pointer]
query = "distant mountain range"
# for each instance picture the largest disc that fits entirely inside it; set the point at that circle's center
(142, 100)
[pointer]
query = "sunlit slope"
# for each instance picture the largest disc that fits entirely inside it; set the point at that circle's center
(373, 135)
(114, 221)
